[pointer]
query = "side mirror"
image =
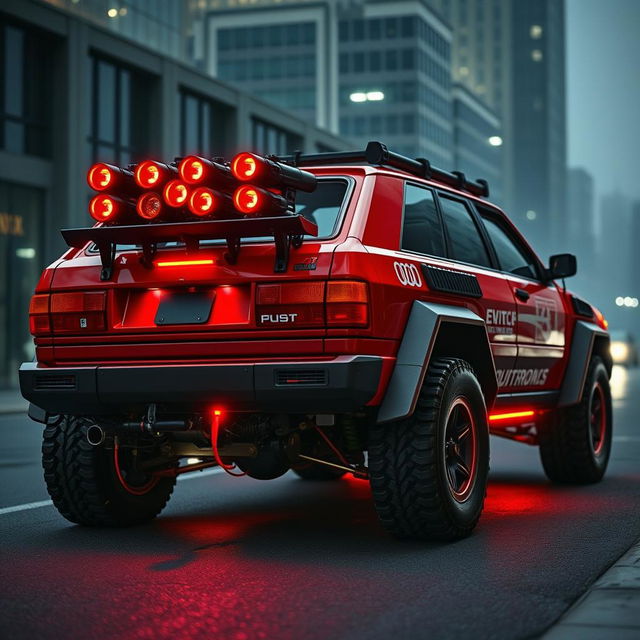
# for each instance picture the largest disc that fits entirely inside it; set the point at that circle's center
(562, 265)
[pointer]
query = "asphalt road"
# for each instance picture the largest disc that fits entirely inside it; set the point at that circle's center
(242, 559)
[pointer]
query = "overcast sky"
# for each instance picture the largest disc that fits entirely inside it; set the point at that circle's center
(603, 92)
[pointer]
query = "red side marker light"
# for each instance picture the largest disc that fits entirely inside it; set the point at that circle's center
(175, 193)
(105, 208)
(149, 205)
(494, 417)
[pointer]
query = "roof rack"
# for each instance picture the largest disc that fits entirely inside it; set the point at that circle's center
(377, 153)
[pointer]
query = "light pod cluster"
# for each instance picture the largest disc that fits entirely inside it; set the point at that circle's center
(196, 188)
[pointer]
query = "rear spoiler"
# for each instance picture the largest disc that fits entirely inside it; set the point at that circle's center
(286, 230)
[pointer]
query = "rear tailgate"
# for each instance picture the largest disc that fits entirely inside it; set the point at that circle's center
(188, 306)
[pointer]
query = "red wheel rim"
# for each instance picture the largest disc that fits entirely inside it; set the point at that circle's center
(134, 488)
(598, 419)
(460, 450)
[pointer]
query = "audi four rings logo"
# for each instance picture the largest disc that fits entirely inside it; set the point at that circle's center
(408, 274)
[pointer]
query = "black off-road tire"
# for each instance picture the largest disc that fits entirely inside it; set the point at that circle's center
(572, 450)
(408, 459)
(317, 472)
(83, 483)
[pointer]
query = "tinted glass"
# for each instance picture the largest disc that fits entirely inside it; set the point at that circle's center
(464, 237)
(323, 205)
(421, 231)
(511, 257)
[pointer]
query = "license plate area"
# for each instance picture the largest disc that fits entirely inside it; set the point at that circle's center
(184, 308)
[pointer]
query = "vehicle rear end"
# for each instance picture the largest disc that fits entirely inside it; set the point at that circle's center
(193, 340)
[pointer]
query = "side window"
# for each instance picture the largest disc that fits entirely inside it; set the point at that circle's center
(421, 231)
(465, 241)
(511, 257)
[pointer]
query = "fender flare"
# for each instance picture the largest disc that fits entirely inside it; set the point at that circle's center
(583, 345)
(425, 324)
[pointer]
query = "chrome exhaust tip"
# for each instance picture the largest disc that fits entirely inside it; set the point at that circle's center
(95, 435)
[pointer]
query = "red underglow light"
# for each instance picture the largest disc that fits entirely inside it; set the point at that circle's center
(511, 415)
(244, 166)
(175, 193)
(149, 206)
(183, 263)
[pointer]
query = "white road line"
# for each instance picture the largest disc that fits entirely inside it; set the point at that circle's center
(25, 507)
(46, 503)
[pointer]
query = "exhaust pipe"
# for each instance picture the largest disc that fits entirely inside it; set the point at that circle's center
(95, 435)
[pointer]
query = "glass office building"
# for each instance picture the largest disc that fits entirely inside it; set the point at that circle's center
(366, 69)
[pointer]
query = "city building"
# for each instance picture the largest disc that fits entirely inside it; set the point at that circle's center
(581, 225)
(477, 141)
(74, 92)
(512, 56)
(157, 24)
(364, 68)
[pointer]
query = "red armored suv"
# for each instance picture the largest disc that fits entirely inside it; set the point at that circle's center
(366, 314)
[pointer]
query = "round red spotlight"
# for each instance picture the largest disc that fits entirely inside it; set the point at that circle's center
(248, 200)
(152, 175)
(245, 166)
(149, 206)
(175, 193)
(102, 176)
(105, 208)
(193, 169)
(203, 202)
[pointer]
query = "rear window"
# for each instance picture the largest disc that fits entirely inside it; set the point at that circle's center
(324, 206)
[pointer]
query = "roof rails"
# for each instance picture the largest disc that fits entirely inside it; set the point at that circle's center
(377, 153)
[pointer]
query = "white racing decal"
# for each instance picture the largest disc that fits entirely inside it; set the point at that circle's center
(521, 377)
(279, 318)
(500, 321)
(407, 274)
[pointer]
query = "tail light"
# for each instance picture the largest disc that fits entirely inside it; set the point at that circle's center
(149, 206)
(340, 303)
(106, 177)
(152, 175)
(253, 201)
(207, 202)
(175, 194)
(197, 170)
(249, 167)
(347, 303)
(107, 208)
(74, 312)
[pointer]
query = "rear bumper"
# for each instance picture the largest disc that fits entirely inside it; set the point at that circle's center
(345, 383)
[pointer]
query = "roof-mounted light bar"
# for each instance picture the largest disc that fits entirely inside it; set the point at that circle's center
(195, 170)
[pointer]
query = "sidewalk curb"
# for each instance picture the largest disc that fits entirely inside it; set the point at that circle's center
(610, 609)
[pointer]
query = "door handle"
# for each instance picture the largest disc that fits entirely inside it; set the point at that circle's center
(522, 294)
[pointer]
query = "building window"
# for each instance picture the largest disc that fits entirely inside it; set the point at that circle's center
(268, 138)
(120, 114)
(25, 90)
(198, 128)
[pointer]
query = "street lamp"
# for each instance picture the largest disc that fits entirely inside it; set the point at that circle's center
(495, 141)
(366, 96)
